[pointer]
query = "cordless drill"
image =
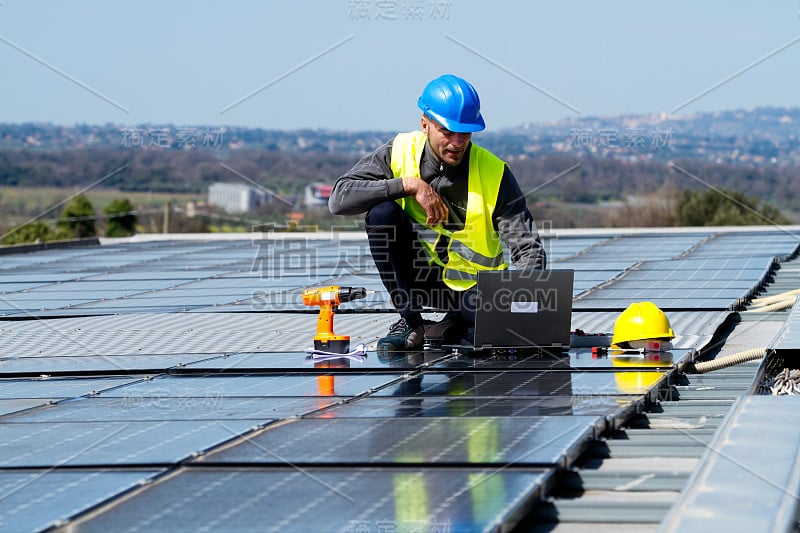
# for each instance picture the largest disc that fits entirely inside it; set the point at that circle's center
(328, 299)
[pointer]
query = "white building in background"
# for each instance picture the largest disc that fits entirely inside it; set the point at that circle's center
(236, 197)
(317, 194)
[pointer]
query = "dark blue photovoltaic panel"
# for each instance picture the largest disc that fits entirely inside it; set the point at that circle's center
(9, 288)
(654, 281)
(63, 296)
(38, 499)
(405, 499)
(67, 312)
(147, 275)
(665, 303)
(59, 387)
(523, 383)
(35, 445)
(159, 406)
(302, 362)
(634, 292)
(256, 386)
(456, 440)
(109, 287)
(575, 359)
(95, 363)
(610, 267)
(641, 247)
(16, 405)
(712, 265)
(776, 244)
(588, 279)
(467, 406)
(572, 244)
(680, 274)
(217, 329)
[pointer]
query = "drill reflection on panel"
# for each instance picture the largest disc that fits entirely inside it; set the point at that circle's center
(328, 300)
(326, 383)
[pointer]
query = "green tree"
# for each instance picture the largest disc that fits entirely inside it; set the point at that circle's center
(37, 231)
(715, 207)
(120, 220)
(77, 219)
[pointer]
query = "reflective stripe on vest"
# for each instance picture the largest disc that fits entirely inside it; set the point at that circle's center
(475, 247)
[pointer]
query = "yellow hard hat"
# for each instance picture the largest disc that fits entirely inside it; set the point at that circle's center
(641, 321)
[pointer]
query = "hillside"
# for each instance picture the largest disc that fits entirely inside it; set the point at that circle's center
(586, 160)
(757, 137)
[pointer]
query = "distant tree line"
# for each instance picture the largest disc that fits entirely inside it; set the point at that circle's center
(77, 220)
(711, 207)
(566, 178)
(650, 193)
(171, 171)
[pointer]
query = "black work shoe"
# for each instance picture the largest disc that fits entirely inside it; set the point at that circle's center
(449, 330)
(402, 336)
(469, 337)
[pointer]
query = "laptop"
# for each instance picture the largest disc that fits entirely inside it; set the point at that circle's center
(523, 310)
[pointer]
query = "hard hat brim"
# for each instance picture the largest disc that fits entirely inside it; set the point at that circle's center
(452, 125)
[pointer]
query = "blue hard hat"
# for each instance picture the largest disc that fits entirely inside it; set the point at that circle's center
(453, 103)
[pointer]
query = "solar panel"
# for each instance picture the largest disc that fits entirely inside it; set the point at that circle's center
(523, 441)
(194, 365)
(512, 406)
(108, 443)
(361, 499)
(510, 384)
(158, 406)
(46, 387)
(255, 386)
(94, 364)
(38, 499)
(17, 404)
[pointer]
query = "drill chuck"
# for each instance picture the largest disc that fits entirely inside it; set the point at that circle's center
(348, 294)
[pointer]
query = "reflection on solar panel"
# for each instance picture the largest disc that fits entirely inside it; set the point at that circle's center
(164, 385)
(523, 441)
(312, 499)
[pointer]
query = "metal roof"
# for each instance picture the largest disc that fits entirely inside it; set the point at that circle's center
(163, 385)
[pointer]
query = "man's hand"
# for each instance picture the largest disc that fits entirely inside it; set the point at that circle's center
(428, 198)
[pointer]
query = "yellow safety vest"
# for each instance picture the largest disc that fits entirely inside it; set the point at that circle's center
(475, 247)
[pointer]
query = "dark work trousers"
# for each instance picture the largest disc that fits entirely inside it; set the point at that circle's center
(403, 265)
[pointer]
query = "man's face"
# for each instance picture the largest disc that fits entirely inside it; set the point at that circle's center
(448, 146)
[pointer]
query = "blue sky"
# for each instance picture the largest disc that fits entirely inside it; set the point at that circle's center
(357, 65)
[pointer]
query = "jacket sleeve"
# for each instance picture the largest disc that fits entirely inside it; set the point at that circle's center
(369, 182)
(516, 226)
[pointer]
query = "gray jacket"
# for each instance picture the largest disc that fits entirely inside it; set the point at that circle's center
(371, 181)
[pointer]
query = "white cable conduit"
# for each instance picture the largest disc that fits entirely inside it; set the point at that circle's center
(776, 302)
(737, 358)
(766, 300)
